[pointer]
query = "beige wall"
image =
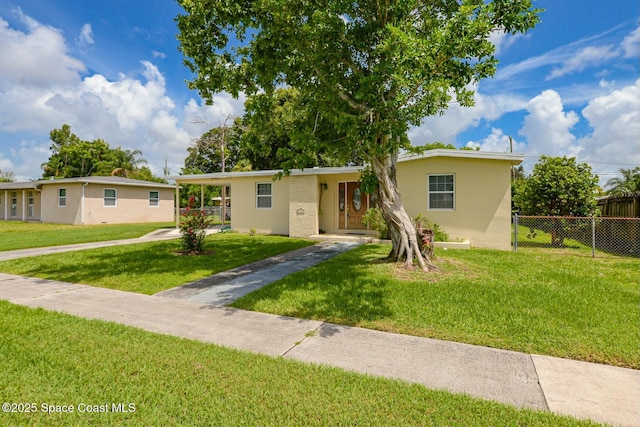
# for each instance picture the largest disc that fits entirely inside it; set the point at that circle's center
(68, 214)
(482, 211)
(132, 205)
(22, 208)
(245, 215)
(303, 205)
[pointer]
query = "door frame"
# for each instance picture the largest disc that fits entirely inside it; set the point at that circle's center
(344, 214)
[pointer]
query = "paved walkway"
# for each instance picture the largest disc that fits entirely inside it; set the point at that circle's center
(584, 390)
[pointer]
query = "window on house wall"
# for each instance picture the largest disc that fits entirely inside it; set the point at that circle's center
(30, 204)
(62, 197)
(263, 195)
(442, 192)
(154, 198)
(14, 203)
(110, 196)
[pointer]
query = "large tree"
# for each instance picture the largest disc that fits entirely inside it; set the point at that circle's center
(281, 130)
(370, 68)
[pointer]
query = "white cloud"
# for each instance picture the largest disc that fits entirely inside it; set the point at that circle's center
(631, 44)
(158, 55)
(547, 127)
(615, 120)
(503, 41)
(457, 119)
(38, 58)
(86, 35)
(199, 118)
(587, 57)
(497, 142)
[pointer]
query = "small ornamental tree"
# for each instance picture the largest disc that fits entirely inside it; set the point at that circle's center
(193, 228)
(558, 186)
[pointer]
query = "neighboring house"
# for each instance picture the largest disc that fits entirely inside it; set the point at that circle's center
(467, 193)
(87, 200)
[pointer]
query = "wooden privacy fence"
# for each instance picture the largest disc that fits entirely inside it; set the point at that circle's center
(621, 206)
(620, 236)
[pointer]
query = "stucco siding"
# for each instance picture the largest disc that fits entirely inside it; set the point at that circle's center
(246, 215)
(51, 209)
(303, 205)
(482, 198)
(131, 205)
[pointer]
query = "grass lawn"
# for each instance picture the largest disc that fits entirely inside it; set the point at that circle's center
(54, 359)
(23, 235)
(151, 267)
(532, 301)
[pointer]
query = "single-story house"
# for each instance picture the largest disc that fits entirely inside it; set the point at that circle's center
(87, 200)
(467, 193)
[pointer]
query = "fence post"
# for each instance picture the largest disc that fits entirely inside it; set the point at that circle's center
(515, 232)
(593, 237)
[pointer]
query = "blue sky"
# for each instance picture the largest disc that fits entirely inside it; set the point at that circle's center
(112, 70)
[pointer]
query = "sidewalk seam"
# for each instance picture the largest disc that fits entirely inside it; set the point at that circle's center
(60, 291)
(298, 343)
(544, 395)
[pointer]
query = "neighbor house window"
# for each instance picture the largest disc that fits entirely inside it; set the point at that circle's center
(441, 192)
(62, 197)
(14, 203)
(30, 204)
(154, 198)
(110, 197)
(263, 195)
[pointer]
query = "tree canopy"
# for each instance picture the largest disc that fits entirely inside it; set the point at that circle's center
(7, 176)
(281, 131)
(73, 157)
(627, 182)
(370, 69)
(558, 186)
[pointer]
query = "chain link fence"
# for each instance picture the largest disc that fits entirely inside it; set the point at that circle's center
(619, 236)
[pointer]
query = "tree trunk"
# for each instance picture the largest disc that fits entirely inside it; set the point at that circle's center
(406, 244)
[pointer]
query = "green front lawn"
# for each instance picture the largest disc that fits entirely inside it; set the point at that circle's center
(532, 301)
(149, 268)
(574, 307)
(23, 235)
(52, 360)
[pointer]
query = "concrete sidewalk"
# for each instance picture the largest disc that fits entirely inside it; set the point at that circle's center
(584, 390)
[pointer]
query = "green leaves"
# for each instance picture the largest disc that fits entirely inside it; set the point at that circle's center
(369, 68)
(558, 186)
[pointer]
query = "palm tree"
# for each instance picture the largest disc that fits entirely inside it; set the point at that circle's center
(126, 161)
(629, 182)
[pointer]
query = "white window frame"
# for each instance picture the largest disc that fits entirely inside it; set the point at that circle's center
(62, 200)
(114, 198)
(154, 202)
(260, 197)
(30, 204)
(431, 192)
(14, 204)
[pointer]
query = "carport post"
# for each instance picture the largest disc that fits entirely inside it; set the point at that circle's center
(177, 205)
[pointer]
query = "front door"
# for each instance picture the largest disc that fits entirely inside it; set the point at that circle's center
(352, 204)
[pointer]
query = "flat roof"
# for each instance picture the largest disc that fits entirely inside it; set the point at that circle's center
(513, 158)
(106, 180)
